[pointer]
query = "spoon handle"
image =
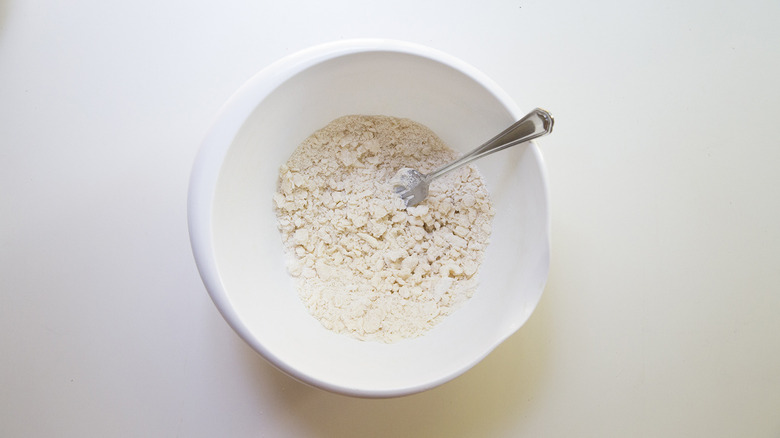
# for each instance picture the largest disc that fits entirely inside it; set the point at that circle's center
(534, 125)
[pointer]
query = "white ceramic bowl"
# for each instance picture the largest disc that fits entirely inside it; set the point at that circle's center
(238, 248)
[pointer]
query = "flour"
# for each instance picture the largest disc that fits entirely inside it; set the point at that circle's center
(364, 264)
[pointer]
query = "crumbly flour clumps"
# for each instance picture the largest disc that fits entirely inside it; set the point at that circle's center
(365, 264)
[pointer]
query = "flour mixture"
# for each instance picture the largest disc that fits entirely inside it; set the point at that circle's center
(365, 265)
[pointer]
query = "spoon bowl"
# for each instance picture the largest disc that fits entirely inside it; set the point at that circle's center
(239, 251)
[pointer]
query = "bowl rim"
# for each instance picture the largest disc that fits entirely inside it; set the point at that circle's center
(216, 143)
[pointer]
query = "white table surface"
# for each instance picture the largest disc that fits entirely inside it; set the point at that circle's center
(661, 316)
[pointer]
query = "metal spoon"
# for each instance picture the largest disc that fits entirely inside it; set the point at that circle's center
(412, 185)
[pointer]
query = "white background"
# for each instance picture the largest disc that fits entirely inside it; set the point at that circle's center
(661, 317)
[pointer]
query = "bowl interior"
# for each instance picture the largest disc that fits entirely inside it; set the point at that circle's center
(248, 251)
